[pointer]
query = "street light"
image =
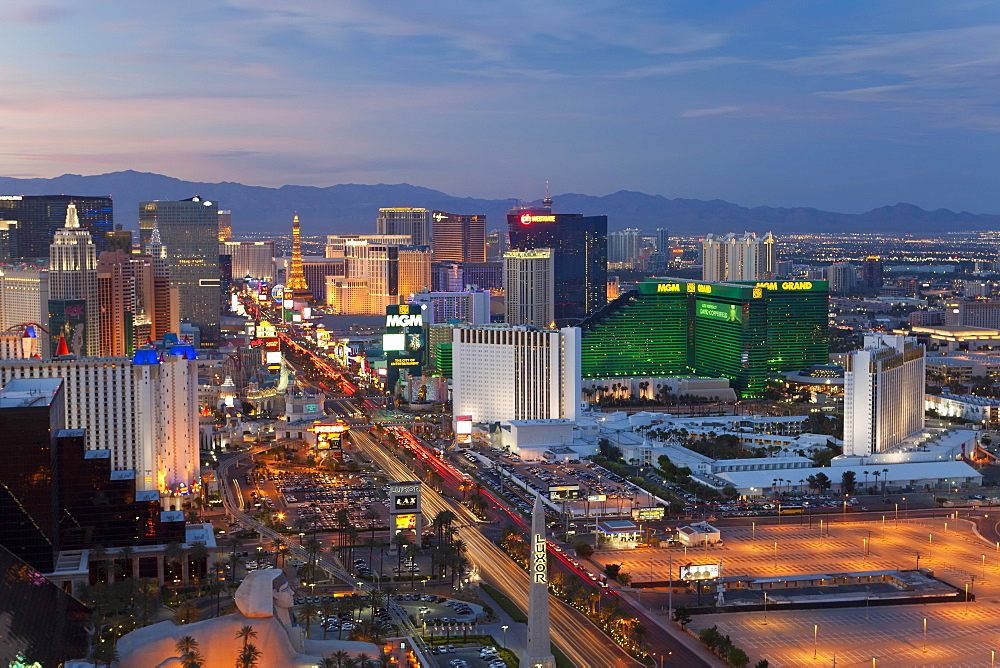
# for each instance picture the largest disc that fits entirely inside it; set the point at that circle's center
(776, 556)
(504, 627)
(815, 635)
(765, 608)
(925, 635)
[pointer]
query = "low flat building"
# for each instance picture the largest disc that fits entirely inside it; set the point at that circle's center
(699, 533)
(618, 534)
(965, 406)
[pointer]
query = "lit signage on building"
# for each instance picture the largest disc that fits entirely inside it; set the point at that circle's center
(406, 522)
(668, 287)
(278, 292)
(786, 285)
(404, 320)
(528, 219)
(717, 311)
(539, 561)
(327, 428)
(404, 503)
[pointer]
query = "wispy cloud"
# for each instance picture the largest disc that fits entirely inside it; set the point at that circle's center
(711, 111)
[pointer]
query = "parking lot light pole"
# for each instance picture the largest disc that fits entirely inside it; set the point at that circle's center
(504, 627)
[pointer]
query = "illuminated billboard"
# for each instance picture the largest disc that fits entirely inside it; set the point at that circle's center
(335, 428)
(564, 492)
(700, 571)
(409, 502)
(463, 429)
(719, 311)
(646, 514)
(272, 357)
(393, 342)
(592, 498)
(406, 522)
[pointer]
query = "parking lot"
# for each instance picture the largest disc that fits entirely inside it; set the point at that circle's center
(313, 499)
(619, 496)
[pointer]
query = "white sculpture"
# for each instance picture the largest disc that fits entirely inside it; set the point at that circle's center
(264, 601)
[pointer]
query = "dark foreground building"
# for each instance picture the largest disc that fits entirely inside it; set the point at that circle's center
(55, 495)
(42, 624)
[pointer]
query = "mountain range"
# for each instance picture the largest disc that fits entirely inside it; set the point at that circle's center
(353, 208)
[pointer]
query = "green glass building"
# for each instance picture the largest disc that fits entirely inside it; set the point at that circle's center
(739, 331)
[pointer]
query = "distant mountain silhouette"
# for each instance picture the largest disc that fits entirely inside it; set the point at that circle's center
(352, 208)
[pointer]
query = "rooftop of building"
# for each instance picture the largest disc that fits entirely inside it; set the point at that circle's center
(617, 526)
(970, 399)
(954, 330)
(931, 470)
(29, 392)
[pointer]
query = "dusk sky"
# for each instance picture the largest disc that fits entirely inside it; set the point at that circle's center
(843, 105)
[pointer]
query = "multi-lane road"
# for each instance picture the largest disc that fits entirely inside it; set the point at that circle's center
(572, 632)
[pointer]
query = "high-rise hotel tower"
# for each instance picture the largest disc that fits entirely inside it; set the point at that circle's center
(74, 312)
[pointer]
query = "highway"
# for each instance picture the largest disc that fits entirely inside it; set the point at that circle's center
(573, 633)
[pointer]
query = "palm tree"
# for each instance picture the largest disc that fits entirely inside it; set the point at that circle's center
(308, 614)
(171, 556)
(312, 547)
(198, 556)
(328, 662)
(245, 633)
(340, 656)
(127, 555)
(99, 554)
(248, 656)
(885, 480)
(187, 647)
(277, 545)
(364, 660)
(326, 608)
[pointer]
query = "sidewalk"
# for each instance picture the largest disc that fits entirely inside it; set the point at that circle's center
(680, 635)
(517, 633)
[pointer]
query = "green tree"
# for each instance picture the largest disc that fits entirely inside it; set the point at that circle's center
(848, 482)
(822, 482)
(737, 657)
(682, 616)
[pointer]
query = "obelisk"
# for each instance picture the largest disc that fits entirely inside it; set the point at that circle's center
(538, 653)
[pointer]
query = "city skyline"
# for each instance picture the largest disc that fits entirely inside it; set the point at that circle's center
(844, 107)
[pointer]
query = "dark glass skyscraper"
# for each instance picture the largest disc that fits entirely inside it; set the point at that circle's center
(580, 251)
(190, 231)
(39, 216)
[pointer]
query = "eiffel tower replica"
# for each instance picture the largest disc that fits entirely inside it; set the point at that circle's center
(296, 279)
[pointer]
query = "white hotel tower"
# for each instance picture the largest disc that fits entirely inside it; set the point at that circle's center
(883, 394)
(73, 275)
(144, 409)
(738, 258)
(516, 373)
